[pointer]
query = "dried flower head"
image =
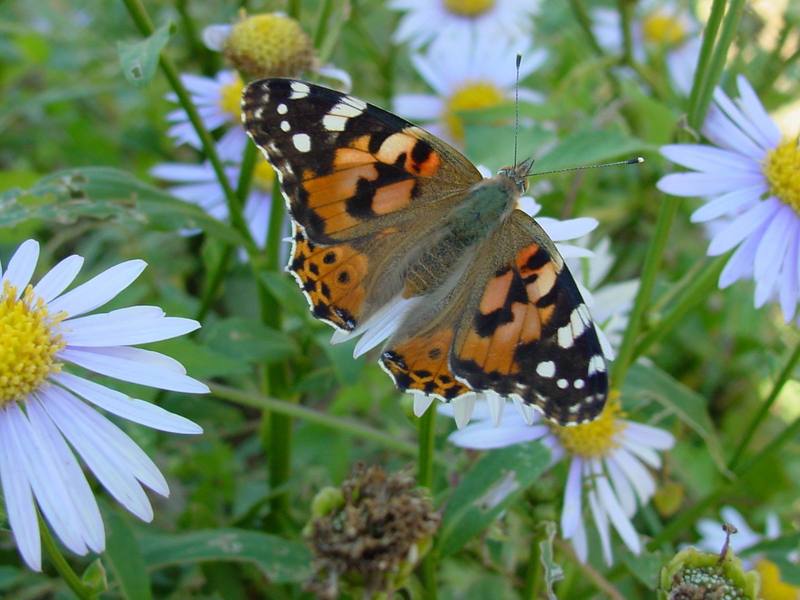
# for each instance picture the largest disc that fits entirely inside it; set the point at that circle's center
(371, 534)
(696, 575)
(269, 44)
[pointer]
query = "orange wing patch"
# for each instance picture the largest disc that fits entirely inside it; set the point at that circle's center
(332, 278)
(421, 363)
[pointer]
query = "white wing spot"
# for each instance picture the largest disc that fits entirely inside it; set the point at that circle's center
(282, 109)
(562, 383)
(578, 384)
(334, 122)
(565, 338)
(299, 90)
(302, 142)
(258, 112)
(285, 126)
(546, 368)
(576, 321)
(360, 105)
(597, 364)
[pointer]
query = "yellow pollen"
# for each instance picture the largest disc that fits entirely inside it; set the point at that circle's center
(468, 8)
(230, 98)
(782, 170)
(663, 29)
(593, 439)
(269, 45)
(28, 344)
(264, 175)
(772, 586)
(472, 96)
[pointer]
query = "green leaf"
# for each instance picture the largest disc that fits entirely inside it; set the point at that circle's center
(139, 60)
(645, 567)
(285, 291)
(124, 557)
(105, 193)
(647, 382)
(589, 147)
(783, 544)
(281, 560)
(94, 578)
(249, 340)
(492, 145)
(552, 570)
(489, 488)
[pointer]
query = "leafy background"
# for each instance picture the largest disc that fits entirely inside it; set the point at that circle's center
(78, 139)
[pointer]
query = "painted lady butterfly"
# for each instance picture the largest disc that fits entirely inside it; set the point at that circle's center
(388, 220)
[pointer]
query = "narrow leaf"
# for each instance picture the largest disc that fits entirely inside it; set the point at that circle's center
(139, 60)
(552, 570)
(124, 558)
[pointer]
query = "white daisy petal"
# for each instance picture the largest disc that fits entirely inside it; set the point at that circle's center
(98, 290)
(58, 278)
(568, 229)
(579, 541)
(753, 108)
(692, 185)
(637, 475)
(643, 451)
(573, 493)
(646, 435)
(21, 266)
(601, 524)
(138, 411)
(721, 131)
(614, 510)
(485, 436)
(709, 159)
(743, 226)
(418, 106)
(126, 327)
(780, 234)
(736, 116)
(740, 264)
(19, 498)
(214, 36)
(623, 488)
(729, 204)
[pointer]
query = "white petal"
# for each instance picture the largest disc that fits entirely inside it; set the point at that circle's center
(649, 436)
(736, 116)
(740, 264)
(337, 74)
(742, 226)
(709, 159)
(779, 236)
(111, 471)
(421, 403)
(573, 493)
(462, 409)
(528, 205)
(729, 204)
(579, 542)
(214, 36)
(381, 325)
(753, 108)
(125, 327)
(46, 481)
(637, 475)
(623, 488)
(568, 229)
(526, 410)
(644, 452)
(483, 435)
(58, 278)
(724, 133)
(614, 511)
(138, 411)
(21, 266)
(125, 365)
(692, 185)
(601, 524)
(76, 491)
(98, 290)
(19, 498)
(419, 107)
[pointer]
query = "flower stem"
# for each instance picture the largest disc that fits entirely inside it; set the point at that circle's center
(693, 293)
(61, 565)
(700, 72)
(293, 9)
(425, 458)
(652, 260)
(196, 47)
(142, 20)
(716, 64)
(783, 377)
(346, 426)
(533, 570)
(625, 8)
(322, 23)
(213, 281)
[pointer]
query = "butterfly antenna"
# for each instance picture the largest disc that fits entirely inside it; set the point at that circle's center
(516, 108)
(631, 161)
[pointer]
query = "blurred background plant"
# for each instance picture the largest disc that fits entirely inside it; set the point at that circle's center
(120, 136)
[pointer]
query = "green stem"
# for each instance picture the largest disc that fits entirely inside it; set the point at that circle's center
(142, 20)
(695, 291)
(425, 458)
(652, 260)
(290, 409)
(213, 282)
(293, 9)
(322, 23)
(197, 49)
(698, 82)
(730, 23)
(783, 377)
(533, 570)
(61, 565)
(625, 8)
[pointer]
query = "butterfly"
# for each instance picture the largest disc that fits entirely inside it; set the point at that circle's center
(396, 232)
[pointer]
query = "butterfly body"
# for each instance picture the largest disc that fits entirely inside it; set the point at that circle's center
(397, 234)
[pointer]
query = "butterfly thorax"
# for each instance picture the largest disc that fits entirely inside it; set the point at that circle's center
(473, 220)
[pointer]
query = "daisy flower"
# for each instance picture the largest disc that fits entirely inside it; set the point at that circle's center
(466, 74)
(198, 184)
(656, 27)
(713, 538)
(48, 411)
(608, 466)
(425, 20)
(749, 178)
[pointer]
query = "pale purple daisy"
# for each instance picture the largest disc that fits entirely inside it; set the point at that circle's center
(608, 466)
(426, 20)
(48, 409)
(750, 179)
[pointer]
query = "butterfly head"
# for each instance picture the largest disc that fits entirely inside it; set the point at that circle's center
(519, 174)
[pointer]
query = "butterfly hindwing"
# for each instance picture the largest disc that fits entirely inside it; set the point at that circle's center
(528, 332)
(347, 168)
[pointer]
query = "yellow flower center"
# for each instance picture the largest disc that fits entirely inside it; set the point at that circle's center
(230, 97)
(772, 587)
(782, 170)
(593, 439)
(663, 29)
(28, 344)
(468, 8)
(472, 96)
(264, 175)
(269, 45)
